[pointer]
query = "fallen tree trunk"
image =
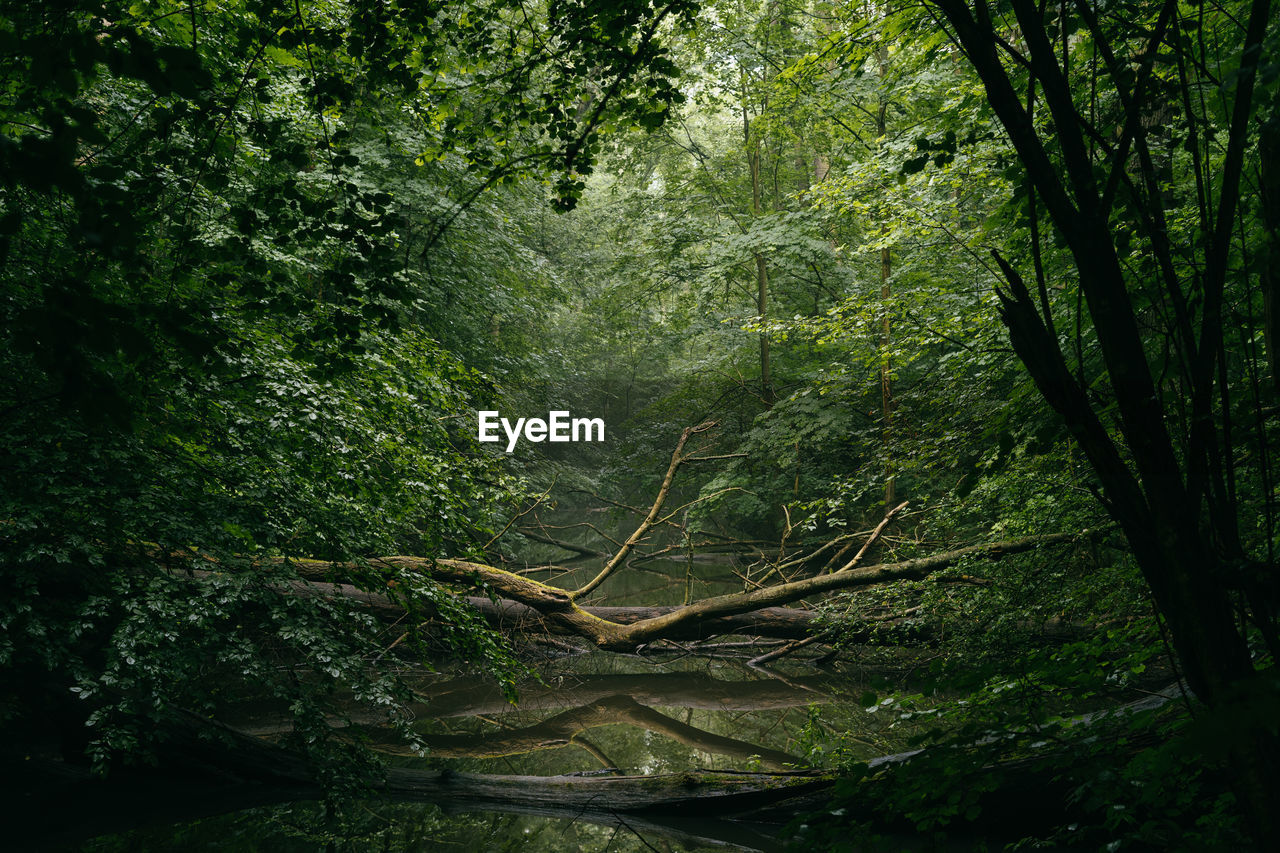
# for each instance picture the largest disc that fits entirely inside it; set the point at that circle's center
(627, 629)
(785, 623)
(681, 622)
(559, 608)
(780, 623)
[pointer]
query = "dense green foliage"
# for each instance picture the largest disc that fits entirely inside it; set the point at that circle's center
(260, 263)
(237, 331)
(888, 183)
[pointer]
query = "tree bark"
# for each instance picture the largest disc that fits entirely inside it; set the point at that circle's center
(1160, 502)
(558, 608)
(1269, 149)
(762, 267)
(886, 327)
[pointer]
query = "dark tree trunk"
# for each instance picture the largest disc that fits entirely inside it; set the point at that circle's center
(1171, 502)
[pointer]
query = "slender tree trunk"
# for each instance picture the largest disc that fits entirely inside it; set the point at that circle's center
(886, 381)
(1270, 151)
(762, 285)
(886, 336)
(1156, 491)
(762, 269)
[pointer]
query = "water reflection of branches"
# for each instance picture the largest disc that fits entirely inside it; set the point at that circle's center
(564, 729)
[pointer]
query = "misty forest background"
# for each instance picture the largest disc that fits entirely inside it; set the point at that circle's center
(1010, 263)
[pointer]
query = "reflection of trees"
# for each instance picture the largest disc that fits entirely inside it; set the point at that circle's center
(563, 729)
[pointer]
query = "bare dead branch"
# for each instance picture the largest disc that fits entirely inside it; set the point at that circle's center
(559, 543)
(875, 534)
(649, 520)
(787, 649)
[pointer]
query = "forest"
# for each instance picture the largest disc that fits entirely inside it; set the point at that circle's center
(927, 362)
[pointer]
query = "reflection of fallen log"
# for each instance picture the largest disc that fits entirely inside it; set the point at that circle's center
(703, 791)
(469, 697)
(560, 730)
(659, 801)
(778, 622)
(205, 770)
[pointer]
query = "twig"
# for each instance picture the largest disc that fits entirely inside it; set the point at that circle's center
(568, 546)
(787, 649)
(521, 515)
(637, 510)
(649, 520)
(875, 534)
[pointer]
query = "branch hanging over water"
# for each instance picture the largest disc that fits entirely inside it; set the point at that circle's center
(677, 457)
(558, 608)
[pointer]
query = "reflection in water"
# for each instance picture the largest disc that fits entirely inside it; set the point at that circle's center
(592, 701)
(550, 716)
(566, 728)
(410, 828)
(686, 689)
(669, 718)
(622, 714)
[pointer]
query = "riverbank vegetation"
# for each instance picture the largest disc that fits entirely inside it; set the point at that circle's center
(935, 345)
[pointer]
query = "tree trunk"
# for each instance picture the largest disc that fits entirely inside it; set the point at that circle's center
(762, 269)
(886, 337)
(886, 383)
(1160, 502)
(1269, 149)
(557, 608)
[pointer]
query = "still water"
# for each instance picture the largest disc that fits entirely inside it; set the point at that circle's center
(667, 710)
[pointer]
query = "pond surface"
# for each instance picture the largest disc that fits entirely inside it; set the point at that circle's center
(669, 709)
